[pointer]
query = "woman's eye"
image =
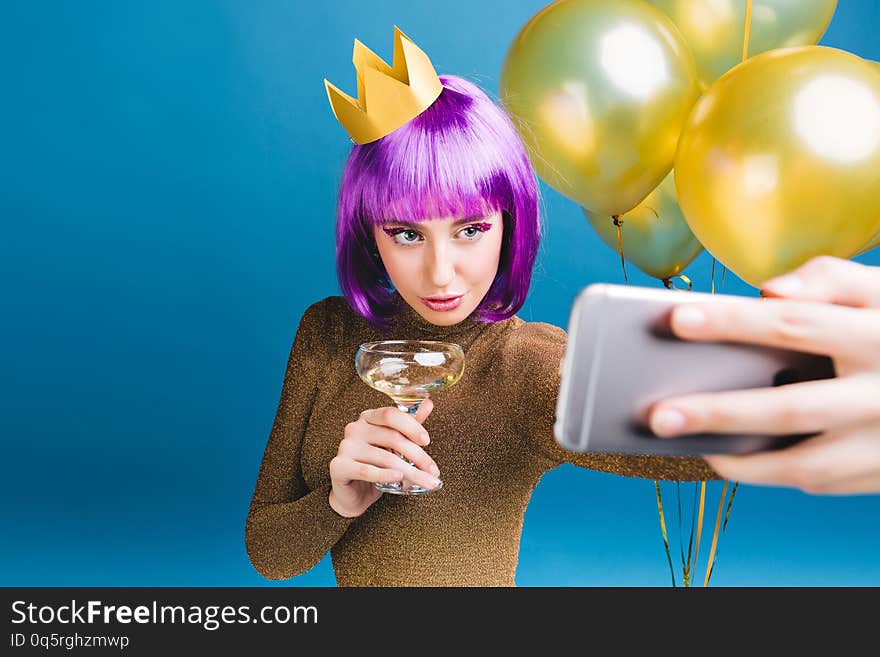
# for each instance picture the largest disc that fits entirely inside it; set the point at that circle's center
(474, 231)
(404, 236)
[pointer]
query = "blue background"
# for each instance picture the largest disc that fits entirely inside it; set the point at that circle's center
(169, 173)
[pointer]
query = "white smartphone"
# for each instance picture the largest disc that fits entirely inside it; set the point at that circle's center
(621, 357)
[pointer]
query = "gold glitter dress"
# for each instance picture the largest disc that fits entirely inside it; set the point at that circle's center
(491, 437)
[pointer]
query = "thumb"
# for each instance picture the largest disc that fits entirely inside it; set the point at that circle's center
(425, 409)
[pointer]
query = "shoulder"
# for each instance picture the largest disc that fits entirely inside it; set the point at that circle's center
(327, 312)
(529, 338)
(536, 345)
(324, 323)
(528, 362)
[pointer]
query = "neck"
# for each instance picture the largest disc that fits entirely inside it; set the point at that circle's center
(411, 325)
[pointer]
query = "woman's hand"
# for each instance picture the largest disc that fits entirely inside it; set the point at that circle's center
(364, 458)
(827, 306)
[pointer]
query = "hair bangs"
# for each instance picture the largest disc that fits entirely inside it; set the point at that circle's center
(456, 176)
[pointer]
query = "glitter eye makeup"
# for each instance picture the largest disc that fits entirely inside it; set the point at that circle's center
(394, 231)
(478, 229)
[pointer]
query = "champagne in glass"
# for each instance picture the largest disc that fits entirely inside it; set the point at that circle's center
(409, 371)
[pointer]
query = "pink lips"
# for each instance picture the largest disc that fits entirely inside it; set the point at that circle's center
(443, 304)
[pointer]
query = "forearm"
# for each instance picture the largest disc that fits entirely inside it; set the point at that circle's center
(288, 538)
(663, 468)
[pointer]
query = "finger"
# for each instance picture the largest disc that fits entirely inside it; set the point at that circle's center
(347, 470)
(394, 418)
(866, 485)
(384, 459)
(859, 448)
(812, 466)
(810, 406)
(829, 280)
(384, 439)
(801, 326)
(424, 411)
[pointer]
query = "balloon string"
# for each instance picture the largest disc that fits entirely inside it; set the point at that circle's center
(667, 282)
(748, 30)
(619, 222)
(711, 564)
(663, 531)
(700, 520)
(692, 556)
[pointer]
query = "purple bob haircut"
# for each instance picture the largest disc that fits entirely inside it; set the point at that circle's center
(461, 157)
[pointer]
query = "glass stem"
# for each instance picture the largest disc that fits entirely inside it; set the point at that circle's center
(412, 408)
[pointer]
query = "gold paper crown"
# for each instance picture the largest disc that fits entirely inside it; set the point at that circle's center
(388, 97)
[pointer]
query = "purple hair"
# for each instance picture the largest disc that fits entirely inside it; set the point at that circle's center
(461, 157)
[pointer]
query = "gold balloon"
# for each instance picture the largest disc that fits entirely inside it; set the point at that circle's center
(599, 90)
(654, 234)
(780, 161)
(715, 29)
(875, 241)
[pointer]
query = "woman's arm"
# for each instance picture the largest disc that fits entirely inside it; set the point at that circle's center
(827, 306)
(543, 348)
(290, 528)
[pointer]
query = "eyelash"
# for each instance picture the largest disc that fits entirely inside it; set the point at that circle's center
(394, 232)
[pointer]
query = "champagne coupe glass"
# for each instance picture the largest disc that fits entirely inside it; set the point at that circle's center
(409, 371)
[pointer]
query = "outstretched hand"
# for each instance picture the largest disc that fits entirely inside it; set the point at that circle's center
(827, 306)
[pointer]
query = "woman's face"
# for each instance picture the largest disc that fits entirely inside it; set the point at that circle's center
(442, 258)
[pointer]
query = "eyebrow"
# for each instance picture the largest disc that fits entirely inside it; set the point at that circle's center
(457, 222)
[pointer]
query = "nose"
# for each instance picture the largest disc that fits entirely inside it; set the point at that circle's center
(441, 265)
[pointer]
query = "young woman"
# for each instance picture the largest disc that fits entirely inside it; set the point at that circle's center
(437, 232)
(443, 207)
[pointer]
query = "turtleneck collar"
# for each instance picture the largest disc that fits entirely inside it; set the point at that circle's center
(408, 324)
